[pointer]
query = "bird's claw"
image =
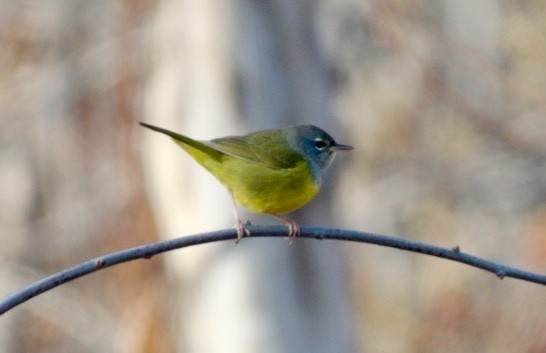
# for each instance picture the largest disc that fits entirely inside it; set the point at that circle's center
(242, 231)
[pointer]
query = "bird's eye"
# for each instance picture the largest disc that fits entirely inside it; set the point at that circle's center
(319, 144)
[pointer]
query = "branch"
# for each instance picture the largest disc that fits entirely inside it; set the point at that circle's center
(147, 251)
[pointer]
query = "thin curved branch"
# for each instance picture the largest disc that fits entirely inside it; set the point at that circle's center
(147, 251)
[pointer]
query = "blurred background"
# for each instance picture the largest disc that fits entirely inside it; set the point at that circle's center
(444, 102)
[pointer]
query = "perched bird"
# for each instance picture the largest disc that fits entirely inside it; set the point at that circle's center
(272, 171)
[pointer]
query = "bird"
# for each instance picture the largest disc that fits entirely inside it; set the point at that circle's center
(271, 172)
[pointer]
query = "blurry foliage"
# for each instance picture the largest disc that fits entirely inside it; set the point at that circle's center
(450, 144)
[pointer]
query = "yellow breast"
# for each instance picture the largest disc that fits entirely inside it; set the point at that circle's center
(265, 190)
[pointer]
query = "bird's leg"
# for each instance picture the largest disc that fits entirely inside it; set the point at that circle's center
(241, 230)
(293, 227)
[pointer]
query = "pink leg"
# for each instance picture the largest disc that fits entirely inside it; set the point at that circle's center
(241, 230)
(293, 227)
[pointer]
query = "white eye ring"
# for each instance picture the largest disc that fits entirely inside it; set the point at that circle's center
(319, 144)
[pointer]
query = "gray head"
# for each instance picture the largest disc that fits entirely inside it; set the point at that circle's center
(318, 148)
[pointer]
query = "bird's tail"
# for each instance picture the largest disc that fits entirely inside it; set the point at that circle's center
(197, 149)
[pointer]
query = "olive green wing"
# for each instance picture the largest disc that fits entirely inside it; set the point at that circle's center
(269, 148)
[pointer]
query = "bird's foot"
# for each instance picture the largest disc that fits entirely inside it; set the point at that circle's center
(242, 231)
(293, 228)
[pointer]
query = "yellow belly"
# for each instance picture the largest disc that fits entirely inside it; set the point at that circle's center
(265, 190)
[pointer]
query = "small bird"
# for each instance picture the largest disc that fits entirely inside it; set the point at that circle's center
(271, 171)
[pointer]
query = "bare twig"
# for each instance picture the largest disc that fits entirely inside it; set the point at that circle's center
(147, 251)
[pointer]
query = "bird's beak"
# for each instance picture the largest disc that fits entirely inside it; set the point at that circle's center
(338, 147)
